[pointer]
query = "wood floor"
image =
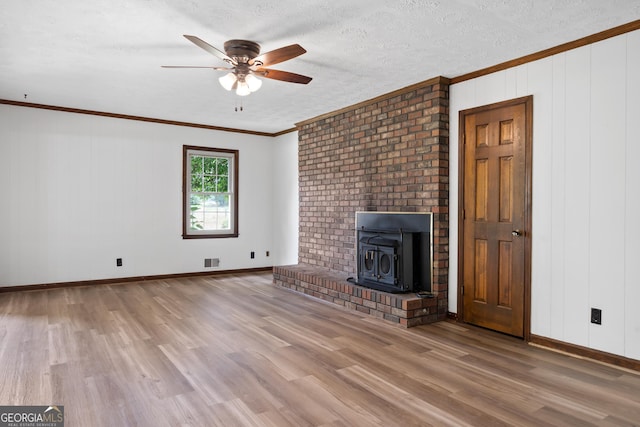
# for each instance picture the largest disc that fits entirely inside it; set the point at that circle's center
(235, 351)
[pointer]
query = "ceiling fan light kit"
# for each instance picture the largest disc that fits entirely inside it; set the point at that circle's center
(246, 62)
(243, 84)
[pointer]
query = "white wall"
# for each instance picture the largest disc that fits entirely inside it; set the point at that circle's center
(285, 199)
(79, 191)
(586, 182)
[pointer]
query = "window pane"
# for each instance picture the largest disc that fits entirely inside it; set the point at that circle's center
(222, 184)
(196, 164)
(196, 183)
(223, 166)
(209, 184)
(210, 165)
(216, 212)
(196, 213)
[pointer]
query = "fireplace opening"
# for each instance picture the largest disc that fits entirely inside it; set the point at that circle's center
(393, 251)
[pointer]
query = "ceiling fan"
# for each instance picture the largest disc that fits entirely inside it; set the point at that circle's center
(246, 63)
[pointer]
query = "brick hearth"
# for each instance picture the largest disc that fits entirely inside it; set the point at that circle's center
(405, 309)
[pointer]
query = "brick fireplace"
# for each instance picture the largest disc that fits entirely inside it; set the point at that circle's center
(389, 154)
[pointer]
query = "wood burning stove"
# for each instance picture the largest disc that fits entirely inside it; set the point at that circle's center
(393, 251)
(385, 259)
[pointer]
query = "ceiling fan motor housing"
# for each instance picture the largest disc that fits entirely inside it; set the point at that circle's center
(242, 50)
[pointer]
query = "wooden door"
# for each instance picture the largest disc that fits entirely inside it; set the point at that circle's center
(495, 216)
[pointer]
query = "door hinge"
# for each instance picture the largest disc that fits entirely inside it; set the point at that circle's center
(462, 290)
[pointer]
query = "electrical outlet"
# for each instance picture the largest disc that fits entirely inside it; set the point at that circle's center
(253, 254)
(118, 262)
(596, 316)
(267, 253)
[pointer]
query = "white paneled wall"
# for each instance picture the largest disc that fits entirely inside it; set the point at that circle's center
(79, 191)
(575, 280)
(558, 195)
(586, 189)
(607, 192)
(632, 201)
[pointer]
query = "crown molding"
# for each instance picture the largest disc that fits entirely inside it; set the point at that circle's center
(603, 35)
(140, 118)
(411, 88)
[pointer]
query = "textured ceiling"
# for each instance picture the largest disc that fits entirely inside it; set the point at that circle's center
(106, 55)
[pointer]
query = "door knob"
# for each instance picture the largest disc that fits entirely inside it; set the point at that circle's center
(516, 233)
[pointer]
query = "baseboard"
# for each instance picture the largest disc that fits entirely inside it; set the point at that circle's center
(452, 316)
(576, 350)
(129, 279)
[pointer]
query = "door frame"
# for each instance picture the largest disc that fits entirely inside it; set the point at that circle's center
(528, 104)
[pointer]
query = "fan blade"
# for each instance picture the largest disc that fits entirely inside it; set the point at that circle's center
(212, 50)
(285, 76)
(279, 55)
(191, 66)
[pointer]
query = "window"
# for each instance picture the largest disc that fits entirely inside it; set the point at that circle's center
(210, 192)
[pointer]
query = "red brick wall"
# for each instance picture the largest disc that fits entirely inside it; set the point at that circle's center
(390, 154)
